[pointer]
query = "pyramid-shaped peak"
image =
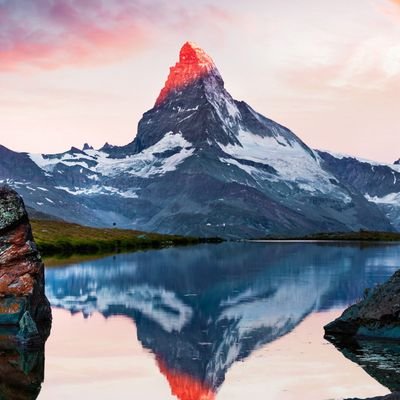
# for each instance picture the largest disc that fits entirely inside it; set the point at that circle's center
(192, 54)
(194, 63)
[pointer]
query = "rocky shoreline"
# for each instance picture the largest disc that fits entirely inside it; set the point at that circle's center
(377, 315)
(368, 333)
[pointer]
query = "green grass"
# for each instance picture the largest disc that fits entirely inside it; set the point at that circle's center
(63, 238)
(359, 236)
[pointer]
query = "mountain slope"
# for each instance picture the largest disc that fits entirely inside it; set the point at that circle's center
(378, 183)
(201, 164)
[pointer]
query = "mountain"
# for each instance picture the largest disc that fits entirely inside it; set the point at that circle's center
(202, 164)
(379, 183)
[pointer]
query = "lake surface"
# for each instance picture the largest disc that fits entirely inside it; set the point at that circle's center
(210, 322)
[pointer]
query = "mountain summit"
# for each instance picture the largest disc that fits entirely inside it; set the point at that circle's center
(201, 164)
(193, 103)
(193, 64)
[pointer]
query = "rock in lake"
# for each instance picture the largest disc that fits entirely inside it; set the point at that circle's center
(376, 316)
(25, 314)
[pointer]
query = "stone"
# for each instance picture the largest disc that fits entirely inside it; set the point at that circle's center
(392, 396)
(27, 327)
(377, 315)
(11, 208)
(11, 310)
(23, 304)
(368, 333)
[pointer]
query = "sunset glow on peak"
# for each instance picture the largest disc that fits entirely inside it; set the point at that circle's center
(84, 69)
(193, 64)
(192, 54)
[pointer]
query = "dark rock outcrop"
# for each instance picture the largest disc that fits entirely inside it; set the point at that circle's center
(392, 396)
(25, 313)
(376, 316)
(368, 333)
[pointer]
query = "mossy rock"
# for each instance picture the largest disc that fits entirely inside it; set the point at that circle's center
(12, 208)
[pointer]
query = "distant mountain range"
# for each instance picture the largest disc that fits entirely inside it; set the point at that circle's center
(205, 164)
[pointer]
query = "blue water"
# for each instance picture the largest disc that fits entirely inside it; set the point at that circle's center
(202, 309)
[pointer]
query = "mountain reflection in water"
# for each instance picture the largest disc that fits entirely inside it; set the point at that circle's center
(200, 309)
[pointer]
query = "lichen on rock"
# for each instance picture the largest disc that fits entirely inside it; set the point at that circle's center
(12, 208)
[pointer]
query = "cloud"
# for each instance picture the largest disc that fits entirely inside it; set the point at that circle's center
(49, 34)
(390, 8)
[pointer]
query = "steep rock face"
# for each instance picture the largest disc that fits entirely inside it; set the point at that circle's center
(377, 315)
(23, 304)
(193, 64)
(201, 164)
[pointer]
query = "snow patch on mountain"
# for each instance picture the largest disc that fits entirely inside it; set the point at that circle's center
(391, 198)
(289, 159)
(96, 190)
(341, 156)
(149, 162)
(145, 164)
(253, 171)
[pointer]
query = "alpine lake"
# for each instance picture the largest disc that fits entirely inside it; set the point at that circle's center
(215, 321)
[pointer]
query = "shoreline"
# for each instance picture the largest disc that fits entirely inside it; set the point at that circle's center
(58, 238)
(345, 241)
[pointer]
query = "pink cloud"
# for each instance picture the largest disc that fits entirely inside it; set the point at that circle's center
(50, 34)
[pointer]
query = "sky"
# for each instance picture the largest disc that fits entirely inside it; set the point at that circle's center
(76, 71)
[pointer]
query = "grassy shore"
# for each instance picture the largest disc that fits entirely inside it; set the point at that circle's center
(359, 236)
(62, 238)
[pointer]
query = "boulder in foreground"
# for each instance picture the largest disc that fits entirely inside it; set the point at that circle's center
(25, 313)
(376, 316)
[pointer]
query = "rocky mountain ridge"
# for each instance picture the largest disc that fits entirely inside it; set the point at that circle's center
(201, 164)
